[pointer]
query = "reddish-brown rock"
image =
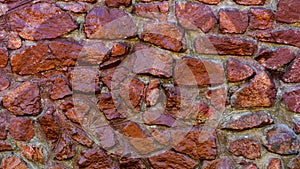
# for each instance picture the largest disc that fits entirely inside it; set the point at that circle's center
(224, 46)
(294, 163)
(248, 120)
(33, 59)
(13, 162)
(24, 100)
(274, 163)
(107, 106)
(75, 7)
(171, 159)
(274, 59)
(109, 24)
(4, 82)
(260, 92)
(81, 137)
(21, 128)
(120, 48)
(166, 35)
(41, 21)
(95, 158)
(155, 10)
(11, 39)
(117, 3)
(233, 21)
(211, 2)
(250, 2)
(3, 133)
(153, 61)
(288, 37)
(292, 73)
(152, 92)
(248, 148)
(64, 149)
(131, 163)
(50, 124)
(4, 146)
(237, 70)
(192, 71)
(106, 136)
(260, 18)
(60, 89)
(291, 99)
(158, 117)
(249, 165)
(133, 130)
(93, 53)
(288, 13)
(75, 110)
(223, 163)
(195, 16)
(280, 139)
(3, 57)
(33, 153)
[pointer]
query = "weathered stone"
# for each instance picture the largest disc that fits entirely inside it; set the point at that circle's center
(260, 18)
(274, 163)
(292, 73)
(155, 10)
(166, 35)
(224, 46)
(64, 149)
(120, 48)
(211, 2)
(274, 59)
(81, 137)
(195, 16)
(4, 146)
(75, 112)
(50, 124)
(218, 98)
(133, 130)
(131, 163)
(171, 159)
(199, 143)
(60, 89)
(237, 70)
(111, 24)
(106, 136)
(250, 165)
(248, 148)
(33, 153)
(250, 2)
(93, 53)
(260, 92)
(223, 163)
(152, 61)
(13, 40)
(294, 163)
(24, 100)
(33, 59)
(107, 106)
(192, 71)
(95, 158)
(291, 99)
(41, 21)
(4, 83)
(248, 120)
(75, 7)
(152, 92)
(155, 117)
(13, 162)
(3, 133)
(288, 37)
(288, 13)
(233, 21)
(117, 3)
(3, 57)
(21, 128)
(280, 139)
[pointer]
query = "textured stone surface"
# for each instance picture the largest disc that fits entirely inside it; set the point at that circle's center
(275, 163)
(224, 45)
(64, 149)
(4, 146)
(294, 163)
(237, 70)
(195, 16)
(292, 73)
(223, 163)
(233, 21)
(152, 92)
(117, 3)
(212, 2)
(33, 153)
(261, 18)
(155, 10)
(248, 148)
(289, 37)
(60, 89)
(94, 158)
(3, 57)
(24, 100)
(107, 106)
(4, 83)
(250, 2)
(291, 99)
(13, 162)
(41, 21)
(50, 124)
(288, 13)
(75, 7)
(21, 128)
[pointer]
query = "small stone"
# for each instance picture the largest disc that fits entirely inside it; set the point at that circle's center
(75, 7)
(65, 149)
(4, 83)
(274, 163)
(13, 40)
(211, 2)
(132, 163)
(117, 3)
(152, 92)
(223, 163)
(50, 124)
(166, 35)
(155, 117)
(292, 73)
(93, 53)
(21, 128)
(192, 71)
(75, 112)
(155, 10)
(248, 120)
(260, 92)
(33, 153)
(80, 136)
(288, 13)
(291, 99)
(274, 59)
(95, 158)
(3, 57)
(41, 21)
(296, 123)
(250, 2)
(153, 61)
(195, 16)
(24, 100)
(261, 18)
(294, 163)
(13, 162)
(120, 48)
(218, 98)
(3, 133)
(60, 89)
(171, 159)
(133, 130)
(250, 166)
(237, 70)
(111, 24)
(248, 148)
(4, 146)
(233, 21)
(107, 106)
(280, 139)
(224, 46)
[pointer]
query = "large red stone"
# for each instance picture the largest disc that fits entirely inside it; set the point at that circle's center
(155, 10)
(237, 70)
(12, 162)
(287, 11)
(292, 73)
(41, 21)
(21, 128)
(195, 16)
(288, 37)
(106, 23)
(24, 100)
(95, 158)
(250, 2)
(291, 99)
(233, 21)
(260, 18)
(248, 148)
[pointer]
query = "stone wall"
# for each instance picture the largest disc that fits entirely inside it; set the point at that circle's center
(210, 84)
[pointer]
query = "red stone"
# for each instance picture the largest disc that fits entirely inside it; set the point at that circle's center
(24, 100)
(3, 133)
(294, 163)
(132, 163)
(75, 7)
(4, 146)
(81, 137)
(3, 57)
(274, 59)
(95, 158)
(250, 166)
(250, 2)
(171, 159)
(41, 21)
(291, 99)
(107, 106)
(153, 61)
(260, 18)
(21, 128)
(211, 2)
(117, 3)
(32, 60)
(155, 10)
(223, 163)
(260, 92)
(288, 37)
(13, 41)
(224, 46)
(13, 162)
(152, 92)
(195, 16)
(106, 136)
(64, 149)
(274, 163)
(155, 117)
(133, 130)
(93, 53)
(33, 153)
(75, 112)
(288, 13)
(120, 48)
(248, 148)
(106, 23)
(4, 83)
(60, 89)
(192, 71)
(50, 124)
(233, 21)
(280, 139)
(166, 35)
(292, 73)
(237, 70)
(218, 98)
(248, 120)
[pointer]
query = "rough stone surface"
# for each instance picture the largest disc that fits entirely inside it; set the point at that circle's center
(75, 7)
(152, 92)
(250, 2)
(294, 163)
(274, 163)
(195, 16)
(261, 18)
(117, 3)
(24, 100)
(291, 99)
(233, 21)
(41, 21)
(288, 13)
(21, 128)
(107, 106)
(155, 10)
(120, 48)
(4, 83)
(33, 153)
(248, 148)
(223, 163)
(211, 2)
(292, 73)
(288, 37)
(13, 162)
(50, 124)
(4, 146)
(237, 70)
(3, 57)
(94, 158)
(60, 89)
